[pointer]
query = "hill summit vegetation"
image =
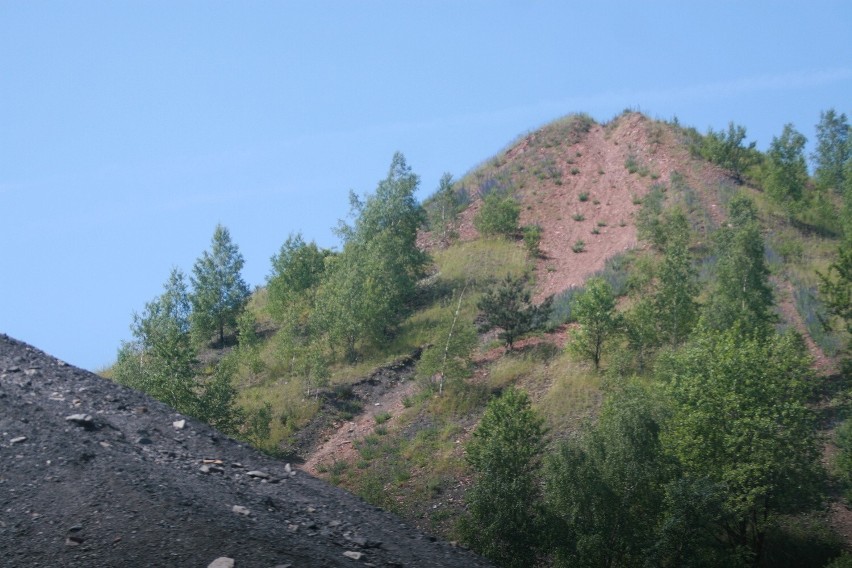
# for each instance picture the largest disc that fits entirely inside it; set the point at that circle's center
(618, 344)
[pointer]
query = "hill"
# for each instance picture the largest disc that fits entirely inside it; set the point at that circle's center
(375, 367)
(95, 474)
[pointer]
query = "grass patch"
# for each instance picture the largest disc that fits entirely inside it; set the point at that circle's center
(578, 217)
(579, 246)
(574, 395)
(382, 417)
(584, 196)
(480, 261)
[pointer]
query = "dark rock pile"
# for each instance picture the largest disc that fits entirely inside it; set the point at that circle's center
(95, 474)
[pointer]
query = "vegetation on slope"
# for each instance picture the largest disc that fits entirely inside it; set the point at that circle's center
(674, 403)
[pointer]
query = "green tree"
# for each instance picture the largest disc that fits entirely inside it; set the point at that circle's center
(833, 150)
(219, 292)
(786, 169)
(371, 285)
(503, 521)
(510, 308)
(740, 419)
(742, 292)
(726, 149)
(443, 210)
(249, 344)
(161, 360)
(297, 271)
(640, 330)
(594, 309)
(498, 215)
(217, 405)
(674, 299)
(836, 285)
(605, 490)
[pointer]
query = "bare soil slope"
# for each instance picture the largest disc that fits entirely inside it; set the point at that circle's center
(586, 185)
(94, 474)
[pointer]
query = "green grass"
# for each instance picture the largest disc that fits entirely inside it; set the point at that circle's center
(382, 417)
(574, 395)
(481, 261)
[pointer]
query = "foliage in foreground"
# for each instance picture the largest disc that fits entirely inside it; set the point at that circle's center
(505, 452)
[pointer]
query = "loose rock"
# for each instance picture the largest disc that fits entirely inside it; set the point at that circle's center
(84, 420)
(222, 562)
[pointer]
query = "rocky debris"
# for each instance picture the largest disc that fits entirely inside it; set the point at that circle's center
(222, 562)
(108, 498)
(240, 510)
(18, 440)
(353, 554)
(179, 424)
(258, 474)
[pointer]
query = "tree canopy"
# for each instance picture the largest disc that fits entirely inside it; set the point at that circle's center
(219, 292)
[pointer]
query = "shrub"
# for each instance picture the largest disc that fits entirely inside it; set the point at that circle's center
(498, 216)
(584, 196)
(578, 217)
(579, 246)
(532, 239)
(382, 417)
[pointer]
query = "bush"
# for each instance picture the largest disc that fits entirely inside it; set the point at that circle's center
(579, 246)
(498, 216)
(532, 239)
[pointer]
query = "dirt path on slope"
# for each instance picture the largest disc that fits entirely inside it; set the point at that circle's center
(383, 392)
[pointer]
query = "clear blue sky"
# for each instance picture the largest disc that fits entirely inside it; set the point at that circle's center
(128, 130)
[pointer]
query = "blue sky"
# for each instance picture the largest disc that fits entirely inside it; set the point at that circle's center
(128, 130)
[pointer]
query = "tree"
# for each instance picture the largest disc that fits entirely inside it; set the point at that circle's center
(833, 150)
(594, 309)
(836, 285)
(726, 149)
(787, 172)
(510, 308)
(640, 330)
(676, 308)
(742, 292)
(740, 419)
(218, 403)
(219, 292)
(498, 215)
(297, 271)
(503, 521)
(605, 490)
(161, 360)
(371, 285)
(443, 210)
